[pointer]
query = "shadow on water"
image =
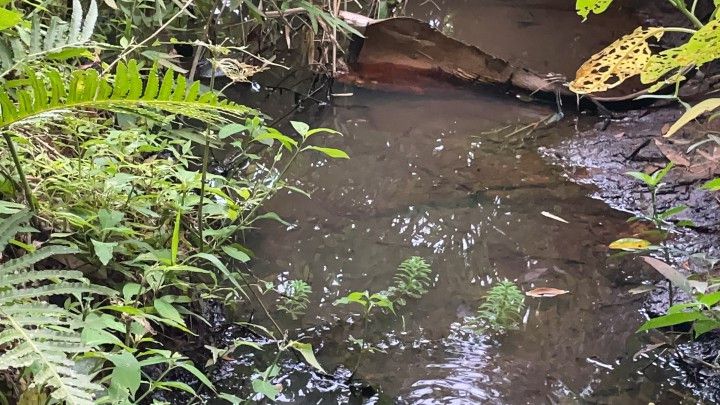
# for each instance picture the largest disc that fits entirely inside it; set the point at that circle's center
(427, 178)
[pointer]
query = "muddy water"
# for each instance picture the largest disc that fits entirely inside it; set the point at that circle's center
(426, 178)
(430, 176)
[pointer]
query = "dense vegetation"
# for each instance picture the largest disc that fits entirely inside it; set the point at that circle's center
(119, 230)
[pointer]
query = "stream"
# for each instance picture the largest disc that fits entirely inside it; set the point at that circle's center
(432, 175)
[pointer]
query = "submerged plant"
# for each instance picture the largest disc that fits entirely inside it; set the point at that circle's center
(501, 309)
(412, 279)
(296, 298)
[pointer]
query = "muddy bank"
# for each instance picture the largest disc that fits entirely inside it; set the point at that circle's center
(601, 158)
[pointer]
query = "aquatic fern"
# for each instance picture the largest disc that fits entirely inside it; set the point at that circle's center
(296, 298)
(126, 92)
(412, 279)
(501, 309)
(36, 334)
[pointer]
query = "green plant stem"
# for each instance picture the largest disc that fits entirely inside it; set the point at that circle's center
(203, 180)
(680, 5)
(362, 347)
(20, 172)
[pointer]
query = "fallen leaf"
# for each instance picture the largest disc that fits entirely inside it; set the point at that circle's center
(675, 277)
(671, 153)
(647, 349)
(630, 244)
(642, 289)
(555, 217)
(545, 292)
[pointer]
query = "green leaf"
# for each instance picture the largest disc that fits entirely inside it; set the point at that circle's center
(703, 326)
(109, 219)
(645, 178)
(231, 129)
(669, 320)
(584, 7)
(9, 18)
(712, 185)
(236, 254)
(693, 113)
(126, 372)
(305, 350)
(331, 152)
(175, 239)
(103, 250)
(176, 385)
(709, 299)
(672, 211)
(301, 128)
(96, 337)
(198, 374)
(265, 388)
(167, 311)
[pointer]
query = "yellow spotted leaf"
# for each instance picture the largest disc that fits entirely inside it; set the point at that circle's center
(703, 47)
(624, 58)
(630, 244)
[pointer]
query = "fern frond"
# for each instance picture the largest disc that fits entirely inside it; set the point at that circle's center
(11, 226)
(59, 41)
(37, 334)
(126, 92)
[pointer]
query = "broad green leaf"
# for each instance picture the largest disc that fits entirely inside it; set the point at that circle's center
(96, 337)
(109, 219)
(709, 299)
(630, 244)
(103, 250)
(703, 326)
(265, 388)
(130, 290)
(331, 152)
(645, 178)
(236, 254)
(305, 349)
(301, 128)
(126, 372)
(669, 320)
(231, 129)
(167, 311)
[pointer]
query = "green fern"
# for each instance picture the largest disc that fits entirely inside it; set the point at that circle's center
(127, 92)
(412, 279)
(501, 309)
(38, 335)
(296, 298)
(59, 40)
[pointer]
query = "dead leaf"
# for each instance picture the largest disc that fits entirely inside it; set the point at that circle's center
(647, 349)
(671, 153)
(543, 292)
(642, 289)
(555, 217)
(675, 277)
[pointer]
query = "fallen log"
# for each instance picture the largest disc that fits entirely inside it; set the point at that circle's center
(410, 45)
